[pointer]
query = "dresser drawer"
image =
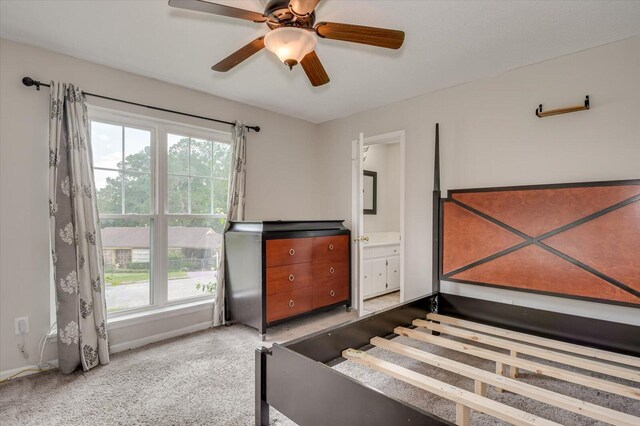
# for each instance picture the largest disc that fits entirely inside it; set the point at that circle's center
(393, 250)
(289, 303)
(288, 251)
(324, 272)
(330, 293)
(288, 277)
(333, 248)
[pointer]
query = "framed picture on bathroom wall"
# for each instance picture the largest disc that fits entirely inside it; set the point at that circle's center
(370, 190)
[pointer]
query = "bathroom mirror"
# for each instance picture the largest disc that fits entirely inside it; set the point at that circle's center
(370, 190)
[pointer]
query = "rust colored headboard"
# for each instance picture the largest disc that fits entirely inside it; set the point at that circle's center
(569, 240)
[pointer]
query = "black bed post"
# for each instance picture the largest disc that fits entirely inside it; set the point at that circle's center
(435, 267)
(435, 232)
(262, 408)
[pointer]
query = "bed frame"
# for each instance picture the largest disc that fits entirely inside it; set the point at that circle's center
(296, 378)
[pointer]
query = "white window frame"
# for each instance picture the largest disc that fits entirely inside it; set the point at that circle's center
(159, 216)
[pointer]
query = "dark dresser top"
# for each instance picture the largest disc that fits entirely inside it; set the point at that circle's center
(286, 225)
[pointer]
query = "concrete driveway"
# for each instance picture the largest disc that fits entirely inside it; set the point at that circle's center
(134, 295)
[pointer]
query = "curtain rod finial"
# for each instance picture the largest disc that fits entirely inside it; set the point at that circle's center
(28, 81)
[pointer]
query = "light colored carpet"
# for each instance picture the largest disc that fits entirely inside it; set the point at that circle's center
(207, 378)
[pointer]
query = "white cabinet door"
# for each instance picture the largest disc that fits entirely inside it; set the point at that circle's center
(367, 287)
(393, 272)
(379, 275)
(368, 252)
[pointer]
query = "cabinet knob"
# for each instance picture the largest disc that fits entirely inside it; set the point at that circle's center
(332, 270)
(379, 275)
(291, 303)
(366, 276)
(291, 278)
(330, 246)
(332, 293)
(292, 252)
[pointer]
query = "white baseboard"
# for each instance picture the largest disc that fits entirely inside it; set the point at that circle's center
(132, 344)
(33, 370)
(120, 347)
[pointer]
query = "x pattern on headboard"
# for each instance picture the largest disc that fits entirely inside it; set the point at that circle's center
(573, 240)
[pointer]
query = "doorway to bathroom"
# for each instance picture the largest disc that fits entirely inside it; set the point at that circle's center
(378, 220)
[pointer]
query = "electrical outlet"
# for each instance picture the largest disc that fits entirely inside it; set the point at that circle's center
(22, 325)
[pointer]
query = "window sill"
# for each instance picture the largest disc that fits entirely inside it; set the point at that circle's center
(151, 314)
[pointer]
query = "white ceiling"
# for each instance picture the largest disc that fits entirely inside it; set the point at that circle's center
(447, 43)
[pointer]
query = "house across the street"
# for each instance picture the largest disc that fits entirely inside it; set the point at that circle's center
(192, 246)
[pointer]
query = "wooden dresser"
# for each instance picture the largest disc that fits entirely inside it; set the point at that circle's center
(280, 270)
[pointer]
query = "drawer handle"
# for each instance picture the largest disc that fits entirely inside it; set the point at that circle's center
(330, 246)
(332, 293)
(291, 303)
(291, 278)
(292, 252)
(332, 270)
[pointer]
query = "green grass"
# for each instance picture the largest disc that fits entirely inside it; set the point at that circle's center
(117, 278)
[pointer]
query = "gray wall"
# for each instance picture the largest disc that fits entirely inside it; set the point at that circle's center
(282, 178)
(491, 137)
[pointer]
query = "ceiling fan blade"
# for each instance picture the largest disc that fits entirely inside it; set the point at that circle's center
(302, 7)
(239, 55)
(314, 69)
(218, 9)
(380, 37)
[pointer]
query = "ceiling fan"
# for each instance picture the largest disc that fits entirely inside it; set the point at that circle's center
(292, 35)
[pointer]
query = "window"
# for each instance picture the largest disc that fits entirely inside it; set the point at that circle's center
(197, 185)
(162, 199)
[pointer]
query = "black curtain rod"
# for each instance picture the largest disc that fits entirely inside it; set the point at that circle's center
(28, 81)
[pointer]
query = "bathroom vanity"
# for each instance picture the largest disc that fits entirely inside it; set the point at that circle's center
(381, 264)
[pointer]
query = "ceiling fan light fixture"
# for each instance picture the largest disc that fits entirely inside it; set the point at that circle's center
(290, 44)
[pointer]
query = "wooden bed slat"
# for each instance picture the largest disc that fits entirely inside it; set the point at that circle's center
(499, 372)
(482, 377)
(587, 364)
(480, 388)
(463, 415)
(541, 341)
(445, 390)
(513, 371)
(558, 373)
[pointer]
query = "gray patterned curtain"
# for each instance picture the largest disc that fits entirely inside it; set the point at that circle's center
(237, 190)
(76, 247)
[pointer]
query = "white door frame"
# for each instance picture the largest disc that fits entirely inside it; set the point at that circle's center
(357, 224)
(357, 217)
